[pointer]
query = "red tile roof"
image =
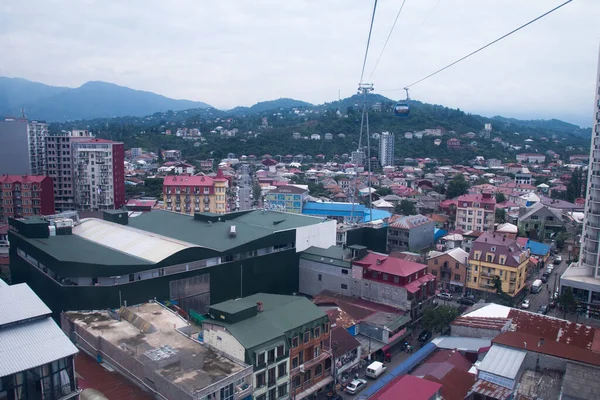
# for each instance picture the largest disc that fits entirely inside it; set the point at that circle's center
(479, 198)
(22, 178)
(198, 180)
(415, 286)
(141, 203)
(408, 387)
(389, 265)
(491, 390)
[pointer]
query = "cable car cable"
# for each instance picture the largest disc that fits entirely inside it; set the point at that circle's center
(482, 48)
(388, 37)
(409, 41)
(368, 41)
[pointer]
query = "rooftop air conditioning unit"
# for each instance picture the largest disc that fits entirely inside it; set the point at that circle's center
(232, 230)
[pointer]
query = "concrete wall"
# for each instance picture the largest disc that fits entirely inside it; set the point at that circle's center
(320, 235)
(421, 237)
(217, 337)
(466, 331)
(332, 278)
(14, 148)
(394, 296)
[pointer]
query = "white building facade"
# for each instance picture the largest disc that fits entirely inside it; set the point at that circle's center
(386, 149)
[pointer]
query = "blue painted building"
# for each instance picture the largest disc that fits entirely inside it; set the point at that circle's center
(343, 212)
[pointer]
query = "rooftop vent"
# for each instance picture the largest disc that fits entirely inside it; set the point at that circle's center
(259, 306)
(232, 230)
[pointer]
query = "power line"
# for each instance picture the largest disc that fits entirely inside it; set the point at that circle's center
(368, 41)
(388, 37)
(484, 47)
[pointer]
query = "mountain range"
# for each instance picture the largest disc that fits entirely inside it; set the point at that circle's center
(90, 100)
(101, 100)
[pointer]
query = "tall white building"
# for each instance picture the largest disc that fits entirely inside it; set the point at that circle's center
(386, 149)
(23, 147)
(584, 277)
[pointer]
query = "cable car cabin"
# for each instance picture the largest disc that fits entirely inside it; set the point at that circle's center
(402, 110)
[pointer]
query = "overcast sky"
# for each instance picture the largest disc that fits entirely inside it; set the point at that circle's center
(230, 53)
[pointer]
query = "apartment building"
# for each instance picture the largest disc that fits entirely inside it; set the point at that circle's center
(476, 212)
(23, 146)
(450, 269)
(99, 172)
(25, 196)
(496, 257)
(386, 149)
(285, 338)
(412, 232)
(193, 194)
(287, 198)
(60, 166)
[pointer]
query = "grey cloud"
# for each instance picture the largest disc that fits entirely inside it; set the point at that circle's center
(230, 53)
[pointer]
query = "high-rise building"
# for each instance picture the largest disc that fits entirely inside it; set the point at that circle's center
(60, 166)
(99, 174)
(386, 149)
(23, 146)
(25, 196)
(583, 277)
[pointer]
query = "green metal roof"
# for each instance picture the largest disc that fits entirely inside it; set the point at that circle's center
(333, 255)
(280, 314)
(72, 248)
(249, 227)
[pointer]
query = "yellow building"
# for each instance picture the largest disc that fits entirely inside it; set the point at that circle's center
(192, 194)
(497, 256)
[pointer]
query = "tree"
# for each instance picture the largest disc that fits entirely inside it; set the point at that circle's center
(457, 187)
(256, 191)
(500, 198)
(438, 319)
(406, 207)
(383, 191)
(500, 215)
(441, 189)
(498, 284)
(567, 301)
(159, 156)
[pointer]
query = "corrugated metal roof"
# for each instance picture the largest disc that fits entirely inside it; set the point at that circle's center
(461, 343)
(503, 361)
(19, 302)
(33, 344)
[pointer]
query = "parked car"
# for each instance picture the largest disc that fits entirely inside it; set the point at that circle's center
(466, 301)
(550, 267)
(425, 335)
(375, 369)
(544, 278)
(335, 396)
(543, 309)
(557, 260)
(552, 304)
(356, 386)
(444, 296)
(525, 304)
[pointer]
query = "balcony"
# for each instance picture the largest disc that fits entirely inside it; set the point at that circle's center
(206, 199)
(324, 354)
(244, 390)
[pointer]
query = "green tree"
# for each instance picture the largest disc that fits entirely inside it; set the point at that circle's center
(438, 319)
(457, 186)
(441, 189)
(159, 156)
(406, 207)
(567, 301)
(317, 189)
(500, 198)
(498, 284)
(256, 191)
(500, 215)
(383, 191)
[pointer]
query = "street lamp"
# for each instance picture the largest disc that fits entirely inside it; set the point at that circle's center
(370, 336)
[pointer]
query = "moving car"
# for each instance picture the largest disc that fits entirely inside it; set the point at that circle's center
(466, 301)
(356, 386)
(444, 296)
(525, 304)
(543, 309)
(375, 369)
(425, 335)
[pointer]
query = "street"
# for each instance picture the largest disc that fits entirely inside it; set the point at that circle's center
(245, 185)
(543, 297)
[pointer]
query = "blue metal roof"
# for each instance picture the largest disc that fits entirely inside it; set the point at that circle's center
(438, 233)
(343, 210)
(537, 248)
(401, 369)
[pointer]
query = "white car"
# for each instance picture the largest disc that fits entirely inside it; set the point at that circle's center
(444, 296)
(356, 386)
(525, 304)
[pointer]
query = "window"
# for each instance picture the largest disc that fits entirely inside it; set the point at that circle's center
(319, 370)
(317, 351)
(294, 342)
(344, 272)
(281, 370)
(396, 279)
(326, 328)
(260, 359)
(319, 277)
(306, 337)
(273, 394)
(434, 272)
(296, 381)
(307, 376)
(271, 376)
(131, 277)
(280, 350)
(295, 362)
(260, 380)
(474, 279)
(301, 357)
(435, 261)
(282, 390)
(262, 397)
(271, 356)
(317, 332)
(456, 266)
(385, 277)
(457, 277)
(344, 286)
